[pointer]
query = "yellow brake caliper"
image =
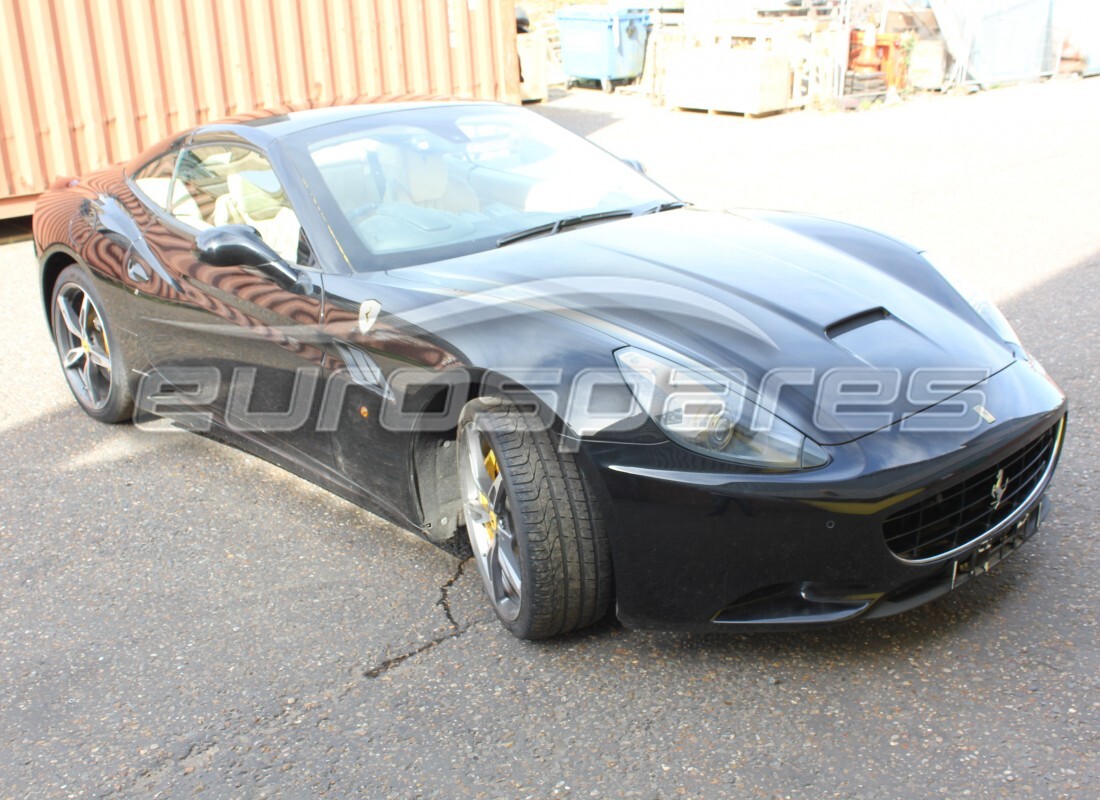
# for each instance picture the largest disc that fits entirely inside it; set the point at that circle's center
(492, 468)
(102, 335)
(86, 344)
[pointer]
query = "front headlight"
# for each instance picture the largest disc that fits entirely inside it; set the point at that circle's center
(703, 411)
(985, 307)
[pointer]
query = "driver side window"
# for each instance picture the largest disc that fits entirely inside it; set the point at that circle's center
(228, 185)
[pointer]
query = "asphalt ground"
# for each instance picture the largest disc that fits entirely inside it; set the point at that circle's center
(177, 617)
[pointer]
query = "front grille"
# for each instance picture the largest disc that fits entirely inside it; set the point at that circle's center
(963, 513)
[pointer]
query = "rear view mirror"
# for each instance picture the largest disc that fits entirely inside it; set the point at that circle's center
(634, 164)
(241, 246)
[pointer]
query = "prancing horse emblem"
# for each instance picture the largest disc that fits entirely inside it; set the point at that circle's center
(998, 490)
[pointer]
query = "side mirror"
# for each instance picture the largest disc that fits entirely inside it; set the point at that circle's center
(241, 246)
(634, 164)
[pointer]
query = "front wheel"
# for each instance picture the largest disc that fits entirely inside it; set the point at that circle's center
(90, 356)
(534, 524)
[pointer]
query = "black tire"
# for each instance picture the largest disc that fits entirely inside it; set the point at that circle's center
(103, 389)
(557, 528)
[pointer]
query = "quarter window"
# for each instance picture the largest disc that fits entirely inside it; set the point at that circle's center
(155, 178)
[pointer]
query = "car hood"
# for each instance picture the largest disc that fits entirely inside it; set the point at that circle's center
(743, 294)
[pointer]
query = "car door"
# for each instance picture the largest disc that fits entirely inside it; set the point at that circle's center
(239, 342)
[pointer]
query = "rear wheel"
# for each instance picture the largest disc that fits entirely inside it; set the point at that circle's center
(534, 525)
(89, 354)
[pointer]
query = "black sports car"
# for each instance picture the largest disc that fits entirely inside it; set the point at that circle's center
(494, 333)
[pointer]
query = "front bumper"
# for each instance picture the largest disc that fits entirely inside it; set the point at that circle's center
(698, 546)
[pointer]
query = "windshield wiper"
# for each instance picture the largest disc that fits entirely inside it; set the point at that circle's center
(669, 206)
(550, 228)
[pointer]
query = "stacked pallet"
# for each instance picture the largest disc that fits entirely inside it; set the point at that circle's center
(865, 85)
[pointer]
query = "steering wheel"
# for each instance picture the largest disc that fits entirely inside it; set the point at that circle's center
(358, 214)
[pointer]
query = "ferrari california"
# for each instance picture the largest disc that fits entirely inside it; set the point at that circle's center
(492, 332)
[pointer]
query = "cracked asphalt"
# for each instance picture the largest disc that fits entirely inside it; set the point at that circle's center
(178, 617)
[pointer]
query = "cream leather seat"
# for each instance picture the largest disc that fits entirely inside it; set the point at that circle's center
(421, 178)
(255, 198)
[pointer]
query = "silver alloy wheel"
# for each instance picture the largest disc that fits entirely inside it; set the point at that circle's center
(82, 343)
(489, 522)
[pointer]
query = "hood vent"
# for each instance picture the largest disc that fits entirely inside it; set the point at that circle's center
(849, 324)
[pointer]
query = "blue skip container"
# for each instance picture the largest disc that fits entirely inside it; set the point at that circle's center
(602, 44)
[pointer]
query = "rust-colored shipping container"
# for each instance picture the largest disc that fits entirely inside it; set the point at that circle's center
(87, 83)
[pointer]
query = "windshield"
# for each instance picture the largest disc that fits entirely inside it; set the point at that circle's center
(418, 185)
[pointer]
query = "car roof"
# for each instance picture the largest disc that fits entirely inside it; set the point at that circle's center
(268, 124)
(263, 126)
